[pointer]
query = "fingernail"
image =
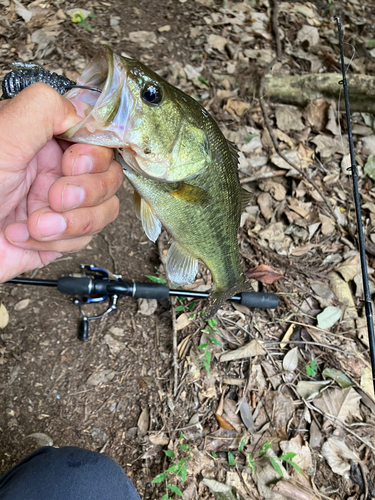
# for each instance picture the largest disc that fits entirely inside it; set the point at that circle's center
(82, 165)
(17, 232)
(72, 196)
(50, 224)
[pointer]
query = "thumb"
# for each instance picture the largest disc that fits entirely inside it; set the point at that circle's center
(30, 120)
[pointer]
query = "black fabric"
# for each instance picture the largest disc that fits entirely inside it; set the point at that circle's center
(68, 473)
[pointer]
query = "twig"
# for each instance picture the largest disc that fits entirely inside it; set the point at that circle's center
(281, 154)
(268, 342)
(175, 363)
(275, 27)
(246, 388)
(332, 417)
(239, 473)
(266, 175)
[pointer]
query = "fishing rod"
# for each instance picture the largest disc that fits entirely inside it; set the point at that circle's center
(96, 284)
(357, 204)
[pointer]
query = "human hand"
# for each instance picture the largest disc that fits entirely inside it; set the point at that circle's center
(54, 197)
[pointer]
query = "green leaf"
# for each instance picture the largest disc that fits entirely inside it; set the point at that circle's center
(250, 462)
(203, 313)
(179, 308)
(293, 464)
(371, 44)
(191, 306)
(276, 466)
(181, 437)
(265, 447)
(165, 497)
(174, 468)
(250, 137)
(184, 473)
(242, 443)
(212, 322)
(183, 460)
(208, 356)
(207, 366)
(159, 478)
(192, 316)
(312, 368)
(203, 80)
(206, 330)
(184, 447)
(213, 454)
(202, 346)
(169, 453)
(176, 490)
(231, 459)
(288, 456)
(155, 279)
(338, 376)
(215, 341)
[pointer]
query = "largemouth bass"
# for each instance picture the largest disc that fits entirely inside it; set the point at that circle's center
(182, 169)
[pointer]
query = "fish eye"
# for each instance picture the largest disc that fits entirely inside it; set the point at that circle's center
(151, 94)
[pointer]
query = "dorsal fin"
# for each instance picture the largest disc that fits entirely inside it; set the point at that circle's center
(234, 154)
(245, 198)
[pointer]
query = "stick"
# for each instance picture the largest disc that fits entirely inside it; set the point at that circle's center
(275, 27)
(357, 203)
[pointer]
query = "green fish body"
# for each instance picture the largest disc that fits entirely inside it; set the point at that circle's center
(183, 170)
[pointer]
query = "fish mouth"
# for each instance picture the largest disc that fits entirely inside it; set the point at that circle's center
(106, 107)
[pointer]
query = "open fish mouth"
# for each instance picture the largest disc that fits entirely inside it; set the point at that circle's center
(106, 107)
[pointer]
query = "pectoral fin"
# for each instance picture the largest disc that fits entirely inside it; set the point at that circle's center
(181, 266)
(150, 223)
(191, 194)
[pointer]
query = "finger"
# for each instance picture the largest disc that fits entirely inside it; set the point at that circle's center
(88, 190)
(83, 158)
(55, 247)
(43, 113)
(44, 228)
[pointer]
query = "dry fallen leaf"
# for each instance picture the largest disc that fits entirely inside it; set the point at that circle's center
(4, 316)
(343, 294)
(102, 376)
(349, 268)
(338, 455)
(339, 403)
(316, 114)
(22, 304)
(236, 108)
(145, 39)
(144, 422)
(114, 345)
(41, 438)
(264, 274)
(264, 201)
(249, 350)
(281, 407)
(328, 317)
(276, 189)
(288, 118)
(290, 361)
(217, 42)
(328, 225)
(182, 321)
(367, 382)
(147, 306)
(224, 424)
(310, 389)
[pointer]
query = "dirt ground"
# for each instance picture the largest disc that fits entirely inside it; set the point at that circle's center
(115, 393)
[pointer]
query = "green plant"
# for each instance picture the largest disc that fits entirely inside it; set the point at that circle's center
(78, 18)
(206, 354)
(312, 368)
(156, 279)
(178, 468)
(275, 462)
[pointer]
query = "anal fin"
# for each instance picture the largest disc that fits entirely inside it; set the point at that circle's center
(150, 223)
(181, 266)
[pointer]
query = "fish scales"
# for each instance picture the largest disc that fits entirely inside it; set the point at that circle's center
(183, 170)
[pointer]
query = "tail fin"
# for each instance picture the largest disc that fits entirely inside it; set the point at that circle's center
(218, 297)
